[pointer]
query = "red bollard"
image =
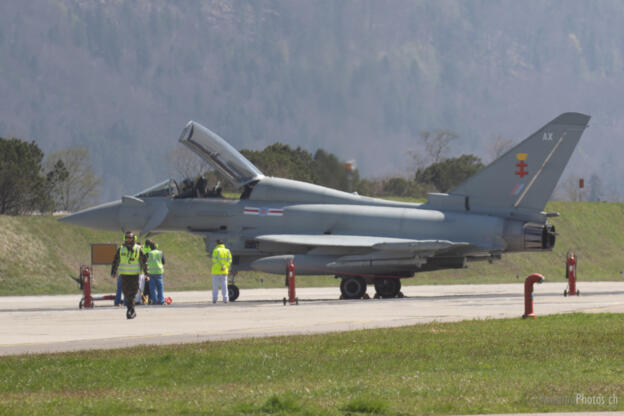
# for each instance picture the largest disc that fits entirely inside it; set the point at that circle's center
(290, 282)
(85, 276)
(571, 275)
(528, 294)
(88, 300)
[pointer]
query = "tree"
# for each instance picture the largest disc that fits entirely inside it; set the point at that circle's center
(23, 188)
(75, 185)
(449, 173)
(403, 187)
(282, 161)
(54, 177)
(498, 147)
(322, 169)
(437, 144)
(330, 171)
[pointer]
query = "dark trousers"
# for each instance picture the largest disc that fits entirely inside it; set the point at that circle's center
(130, 287)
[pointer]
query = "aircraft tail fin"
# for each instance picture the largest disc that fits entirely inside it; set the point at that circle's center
(524, 178)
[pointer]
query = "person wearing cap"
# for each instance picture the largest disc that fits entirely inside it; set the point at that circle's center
(221, 262)
(129, 261)
(155, 268)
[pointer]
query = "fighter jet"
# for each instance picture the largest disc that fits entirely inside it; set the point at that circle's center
(359, 239)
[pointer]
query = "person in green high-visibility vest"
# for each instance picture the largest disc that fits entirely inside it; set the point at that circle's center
(156, 269)
(129, 261)
(221, 262)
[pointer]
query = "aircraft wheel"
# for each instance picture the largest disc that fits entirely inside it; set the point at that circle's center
(387, 287)
(352, 287)
(233, 292)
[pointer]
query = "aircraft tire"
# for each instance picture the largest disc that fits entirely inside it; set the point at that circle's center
(353, 287)
(233, 292)
(387, 287)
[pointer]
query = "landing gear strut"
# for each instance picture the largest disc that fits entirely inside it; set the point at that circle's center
(388, 288)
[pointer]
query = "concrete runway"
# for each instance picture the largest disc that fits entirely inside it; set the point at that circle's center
(43, 324)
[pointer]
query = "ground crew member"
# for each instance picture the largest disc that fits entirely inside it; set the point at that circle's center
(221, 262)
(155, 268)
(129, 262)
(142, 297)
(146, 246)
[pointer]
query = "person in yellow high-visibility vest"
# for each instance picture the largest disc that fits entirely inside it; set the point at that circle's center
(129, 262)
(156, 268)
(221, 262)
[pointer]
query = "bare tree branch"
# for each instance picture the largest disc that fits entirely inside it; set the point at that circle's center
(81, 188)
(498, 147)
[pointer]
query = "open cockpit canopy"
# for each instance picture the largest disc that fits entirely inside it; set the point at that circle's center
(219, 154)
(168, 188)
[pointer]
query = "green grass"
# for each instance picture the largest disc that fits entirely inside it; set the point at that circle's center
(482, 366)
(40, 255)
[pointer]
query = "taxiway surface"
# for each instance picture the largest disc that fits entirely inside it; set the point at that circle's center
(43, 324)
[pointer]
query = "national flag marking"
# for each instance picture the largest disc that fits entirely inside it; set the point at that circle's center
(273, 212)
(517, 189)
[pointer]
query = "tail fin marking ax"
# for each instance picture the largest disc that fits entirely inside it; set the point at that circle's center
(521, 180)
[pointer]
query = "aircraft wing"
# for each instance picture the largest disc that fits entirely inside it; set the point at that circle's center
(363, 242)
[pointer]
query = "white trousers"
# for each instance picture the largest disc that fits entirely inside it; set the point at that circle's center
(219, 279)
(139, 296)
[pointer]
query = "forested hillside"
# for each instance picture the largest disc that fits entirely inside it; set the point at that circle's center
(360, 79)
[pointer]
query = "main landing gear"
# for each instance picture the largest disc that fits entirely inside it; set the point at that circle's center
(354, 287)
(388, 288)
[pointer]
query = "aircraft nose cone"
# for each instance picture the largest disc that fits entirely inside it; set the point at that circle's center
(103, 217)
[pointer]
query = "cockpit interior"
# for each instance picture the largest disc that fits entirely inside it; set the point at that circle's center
(188, 188)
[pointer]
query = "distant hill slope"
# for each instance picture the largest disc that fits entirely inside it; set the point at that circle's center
(359, 79)
(39, 255)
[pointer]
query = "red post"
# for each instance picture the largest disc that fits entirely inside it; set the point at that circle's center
(571, 275)
(85, 275)
(291, 282)
(528, 294)
(88, 300)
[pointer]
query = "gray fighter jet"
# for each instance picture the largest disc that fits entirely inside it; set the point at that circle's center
(359, 239)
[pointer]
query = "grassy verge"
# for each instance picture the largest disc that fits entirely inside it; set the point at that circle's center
(40, 255)
(555, 363)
